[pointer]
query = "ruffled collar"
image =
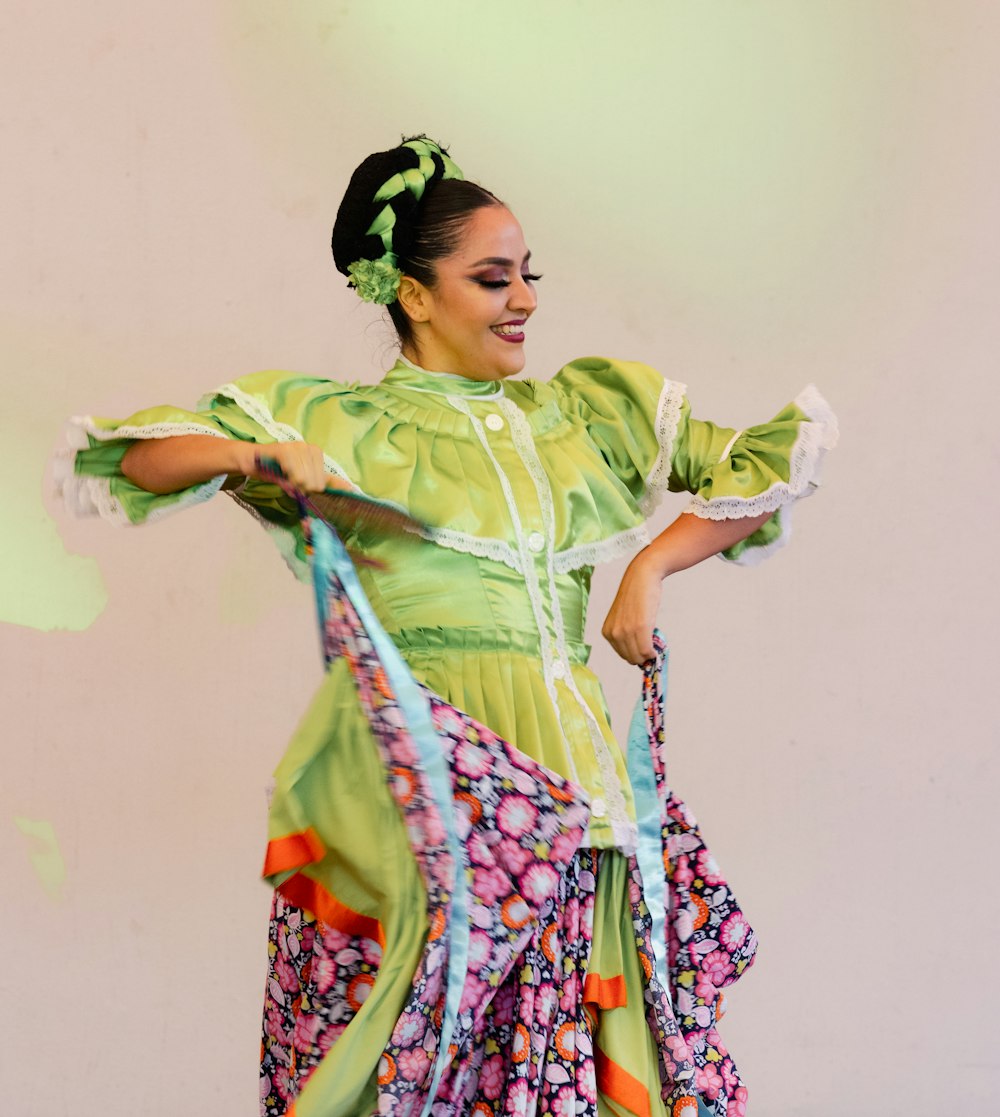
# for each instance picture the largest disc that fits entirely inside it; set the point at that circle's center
(405, 374)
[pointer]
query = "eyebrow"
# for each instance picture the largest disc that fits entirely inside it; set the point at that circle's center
(500, 261)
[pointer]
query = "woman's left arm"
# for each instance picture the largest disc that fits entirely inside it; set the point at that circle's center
(629, 625)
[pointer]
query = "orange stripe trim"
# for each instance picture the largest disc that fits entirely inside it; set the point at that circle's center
(304, 892)
(620, 1086)
(292, 852)
(605, 992)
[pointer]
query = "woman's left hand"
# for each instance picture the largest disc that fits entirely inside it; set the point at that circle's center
(629, 625)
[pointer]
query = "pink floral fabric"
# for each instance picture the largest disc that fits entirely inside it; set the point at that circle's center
(519, 827)
(709, 941)
(317, 980)
(530, 1049)
(522, 1043)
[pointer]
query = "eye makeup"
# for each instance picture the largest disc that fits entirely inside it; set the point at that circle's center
(495, 283)
(496, 276)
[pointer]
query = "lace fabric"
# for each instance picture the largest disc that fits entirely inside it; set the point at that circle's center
(280, 432)
(526, 563)
(622, 826)
(621, 545)
(668, 416)
(496, 550)
(88, 495)
(813, 440)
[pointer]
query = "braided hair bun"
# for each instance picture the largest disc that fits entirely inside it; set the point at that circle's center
(404, 209)
(378, 213)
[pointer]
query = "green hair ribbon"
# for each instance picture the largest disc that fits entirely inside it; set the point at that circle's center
(377, 281)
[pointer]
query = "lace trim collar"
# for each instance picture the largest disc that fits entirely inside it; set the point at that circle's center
(405, 374)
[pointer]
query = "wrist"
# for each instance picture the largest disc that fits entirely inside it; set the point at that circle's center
(654, 560)
(242, 458)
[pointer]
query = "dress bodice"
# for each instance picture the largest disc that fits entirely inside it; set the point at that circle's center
(524, 486)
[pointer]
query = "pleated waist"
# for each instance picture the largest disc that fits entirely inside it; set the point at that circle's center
(475, 641)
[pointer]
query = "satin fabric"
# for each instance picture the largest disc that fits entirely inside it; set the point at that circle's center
(598, 426)
(492, 617)
(524, 493)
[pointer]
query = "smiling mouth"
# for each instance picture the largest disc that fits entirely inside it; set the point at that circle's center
(510, 331)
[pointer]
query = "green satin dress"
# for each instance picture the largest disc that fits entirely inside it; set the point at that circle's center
(527, 485)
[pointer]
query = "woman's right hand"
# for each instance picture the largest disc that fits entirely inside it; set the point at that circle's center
(166, 465)
(300, 462)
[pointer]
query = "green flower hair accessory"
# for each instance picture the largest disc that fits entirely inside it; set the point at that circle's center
(382, 198)
(376, 281)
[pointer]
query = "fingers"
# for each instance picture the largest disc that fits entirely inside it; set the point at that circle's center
(638, 652)
(301, 463)
(313, 468)
(634, 645)
(642, 649)
(335, 484)
(629, 625)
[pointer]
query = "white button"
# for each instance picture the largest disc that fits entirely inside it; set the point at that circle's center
(598, 808)
(559, 669)
(494, 422)
(536, 541)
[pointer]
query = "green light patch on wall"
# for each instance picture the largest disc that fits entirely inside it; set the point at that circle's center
(46, 857)
(41, 585)
(717, 147)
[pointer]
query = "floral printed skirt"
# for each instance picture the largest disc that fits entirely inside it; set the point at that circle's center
(443, 944)
(566, 1033)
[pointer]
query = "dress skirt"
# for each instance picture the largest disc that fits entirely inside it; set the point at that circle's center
(445, 942)
(566, 1032)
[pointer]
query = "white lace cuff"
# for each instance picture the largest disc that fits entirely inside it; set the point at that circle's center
(668, 416)
(86, 495)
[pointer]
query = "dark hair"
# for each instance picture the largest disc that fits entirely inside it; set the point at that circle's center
(426, 229)
(440, 221)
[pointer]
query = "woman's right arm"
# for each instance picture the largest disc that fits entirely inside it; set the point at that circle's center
(167, 465)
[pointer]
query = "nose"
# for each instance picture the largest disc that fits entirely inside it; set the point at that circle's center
(522, 298)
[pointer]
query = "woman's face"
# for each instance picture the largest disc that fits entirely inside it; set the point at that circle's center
(472, 321)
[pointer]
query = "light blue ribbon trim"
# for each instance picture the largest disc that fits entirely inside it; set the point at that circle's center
(649, 848)
(329, 554)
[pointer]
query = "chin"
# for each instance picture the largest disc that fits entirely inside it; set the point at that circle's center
(512, 366)
(498, 372)
(492, 366)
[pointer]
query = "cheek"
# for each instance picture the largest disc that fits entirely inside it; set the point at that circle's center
(478, 315)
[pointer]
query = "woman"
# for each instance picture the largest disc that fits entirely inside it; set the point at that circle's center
(526, 485)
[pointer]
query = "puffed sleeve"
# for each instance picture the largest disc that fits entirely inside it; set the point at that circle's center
(631, 414)
(263, 408)
(643, 427)
(764, 468)
(88, 468)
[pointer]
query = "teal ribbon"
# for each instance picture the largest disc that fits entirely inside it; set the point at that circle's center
(329, 554)
(649, 809)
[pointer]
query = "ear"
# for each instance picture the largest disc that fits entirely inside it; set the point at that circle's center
(414, 298)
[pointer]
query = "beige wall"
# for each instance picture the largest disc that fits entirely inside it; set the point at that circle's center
(749, 195)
